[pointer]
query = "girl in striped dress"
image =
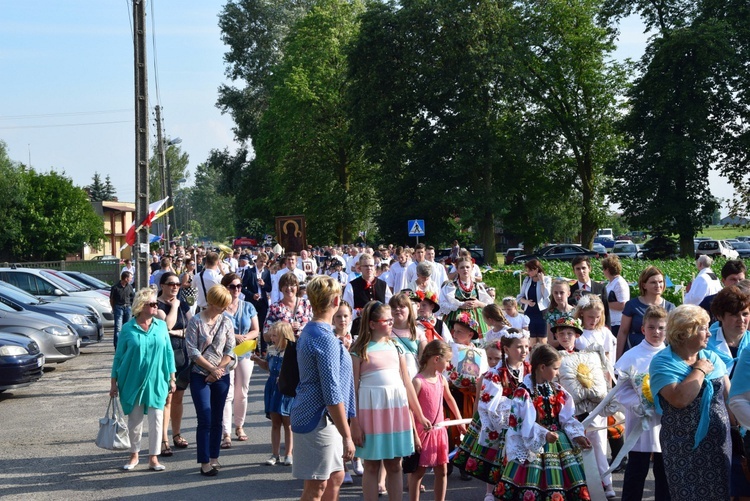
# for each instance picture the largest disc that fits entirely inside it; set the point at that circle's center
(382, 429)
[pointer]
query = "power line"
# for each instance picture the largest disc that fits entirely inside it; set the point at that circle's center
(47, 126)
(65, 114)
(153, 44)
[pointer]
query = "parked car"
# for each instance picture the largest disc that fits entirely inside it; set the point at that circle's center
(47, 286)
(716, 248)
(744, 239)
(625, 251)
(606, 241)
(57, 341)
(557, 252)
(622, 241)
(742, 248)
(80, 286)
(106, 259)
(84, 320)
(512, 253)
(21, 361)
(443, 256)
(600, 249)
(86, 279)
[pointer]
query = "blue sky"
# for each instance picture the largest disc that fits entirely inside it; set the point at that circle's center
(71, 62)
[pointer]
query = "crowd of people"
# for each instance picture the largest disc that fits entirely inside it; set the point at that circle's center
(406, 364)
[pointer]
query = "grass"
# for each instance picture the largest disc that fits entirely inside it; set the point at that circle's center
(724, 232)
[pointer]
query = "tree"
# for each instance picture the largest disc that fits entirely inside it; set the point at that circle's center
(109, 189)
(212, 209)
(176, 165)
(99, 191)
(13, 189)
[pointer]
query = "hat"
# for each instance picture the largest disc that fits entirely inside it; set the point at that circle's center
(245, 257)
(466, 320)
(566, 322)
(420, 296)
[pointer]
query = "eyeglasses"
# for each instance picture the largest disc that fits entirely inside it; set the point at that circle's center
(152, 305)
(386, 321)
(172, 284)
(234, 287)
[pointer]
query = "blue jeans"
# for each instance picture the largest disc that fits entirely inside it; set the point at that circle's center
(122, 315)
(209, 399)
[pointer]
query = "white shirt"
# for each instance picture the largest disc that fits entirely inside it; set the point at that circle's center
(438, 275)
(308, 264)
(210, 278)
(602, 337)
(703, 285)
(349, 298)
(519, 322)
(397, 277)
(622, 293)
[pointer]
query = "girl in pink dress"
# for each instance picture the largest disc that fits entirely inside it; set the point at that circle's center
(432, 443)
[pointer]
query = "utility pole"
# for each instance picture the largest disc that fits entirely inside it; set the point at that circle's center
(140, 250)
(163, 174)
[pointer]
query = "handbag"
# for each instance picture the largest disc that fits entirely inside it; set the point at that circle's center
(289, 372)
(113, 432)
(183, 377)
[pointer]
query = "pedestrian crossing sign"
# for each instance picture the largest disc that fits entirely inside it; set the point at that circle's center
(416, 227)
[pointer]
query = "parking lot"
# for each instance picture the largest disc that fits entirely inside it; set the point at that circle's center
(48, 452)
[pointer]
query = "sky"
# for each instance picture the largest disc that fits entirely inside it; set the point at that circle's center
(67, 91)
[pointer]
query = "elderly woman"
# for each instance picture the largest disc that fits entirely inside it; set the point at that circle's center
(534, 297)
(210, 341)
(423, 282)
(464, 295)
(651, 285)
(143, 375)
(325, 398)
(245, 323)
(689, 384)
(175, 312)
(289, 308)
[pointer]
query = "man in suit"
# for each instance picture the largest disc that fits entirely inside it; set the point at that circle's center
(584, 285)
(256, 286)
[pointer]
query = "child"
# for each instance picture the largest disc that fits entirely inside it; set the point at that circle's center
(342, 322)
(427, 306)
(277, 405)
(382, 427)
(558, 306)
(541, 460)
(590, 311)
(639, 405)
(495, 319)
(516, 320)
(481, 451)
(432, 390)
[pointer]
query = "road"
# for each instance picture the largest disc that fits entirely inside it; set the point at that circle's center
(48, 452)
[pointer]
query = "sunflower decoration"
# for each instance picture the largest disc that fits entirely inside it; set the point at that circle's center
(643, 388)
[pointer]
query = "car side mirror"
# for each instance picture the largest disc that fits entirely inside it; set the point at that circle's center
(58, 292)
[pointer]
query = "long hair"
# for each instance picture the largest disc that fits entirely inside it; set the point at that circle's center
(372, 311)
(553, 302)
(402, 299)
(434, 348)
(590, 302)
(495, 313)
(284, 331)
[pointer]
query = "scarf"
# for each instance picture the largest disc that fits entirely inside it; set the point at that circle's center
(740, 379)
(667, 367)
(718, 344)
(429, 330)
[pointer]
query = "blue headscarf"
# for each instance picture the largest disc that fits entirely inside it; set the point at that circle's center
(667, 368)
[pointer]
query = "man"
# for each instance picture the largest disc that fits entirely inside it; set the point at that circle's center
(584, 285)
(243, 266)
(166, 266)
(256, 286)
(704, 284)
(233, 261)
(334, 271)
(121, 298)
(352, 260)
(291, 267)
(364, 289)
(732, 273)
(397, 277)
(129, 268)
(207, 278)
(307, 264)
(439, 275)
(420, 251)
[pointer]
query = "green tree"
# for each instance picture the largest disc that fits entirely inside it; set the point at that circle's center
(176, 165)
(96, 189)
(109, 189)
(13, 189)
(211, 209)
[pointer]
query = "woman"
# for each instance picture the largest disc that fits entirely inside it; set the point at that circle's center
(618, 291)
(534, 297)
(210, 341)
(651, 285)
(189, 292)
(325, 398)
(405, 331)
(464, 295)
(423, 282)
(289, 308)
(245, 324)
(689, 384)
(143, 376)
(176, 313)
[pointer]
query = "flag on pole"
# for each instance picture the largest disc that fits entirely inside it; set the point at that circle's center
(150, 217)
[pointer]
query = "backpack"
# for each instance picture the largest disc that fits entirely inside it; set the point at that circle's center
(289, 373)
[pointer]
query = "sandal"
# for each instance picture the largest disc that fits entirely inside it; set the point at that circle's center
(226, 442)
(179, 442)
(166, 451)
(240, 434)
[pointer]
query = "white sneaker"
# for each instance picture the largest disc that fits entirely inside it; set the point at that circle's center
(348, 478)
(489, 497)
(288, 460)
(272, 460)
(357, 467)
(609, 491)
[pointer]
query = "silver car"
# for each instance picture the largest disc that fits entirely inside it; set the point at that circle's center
(57, 341)
(625, 250)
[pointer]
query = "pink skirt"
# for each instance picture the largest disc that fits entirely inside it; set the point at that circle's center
(434, 447)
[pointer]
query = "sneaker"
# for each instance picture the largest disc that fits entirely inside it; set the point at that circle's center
(288, 460)
(348, 478)
(272, 460)
(489, 497)
(357, 467)
(609, 491)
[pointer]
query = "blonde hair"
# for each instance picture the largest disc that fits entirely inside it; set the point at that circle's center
(142, 297)
(370, 313)
(587, 303)
(321, 291)
(562, 283)
(219, 296)
(402, 299)
(683, 323)
(495, 313)
(435, 348)
(284, 331)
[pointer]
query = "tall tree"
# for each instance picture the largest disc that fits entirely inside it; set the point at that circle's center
(176, 166)
(13, 190)
(96, 189)
(210, 207)
(109, 189)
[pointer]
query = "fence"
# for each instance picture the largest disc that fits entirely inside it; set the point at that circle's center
(106, 271)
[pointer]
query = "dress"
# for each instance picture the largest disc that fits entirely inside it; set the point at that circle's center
(383, 411)
(453, 294)
(274, 400)
(703, 473)
(434, 441)
(537, 325)
(536, 469)
(481, 451)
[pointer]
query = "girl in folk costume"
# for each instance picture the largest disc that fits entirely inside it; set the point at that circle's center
(494, 318)
(558, 306)
(432, 392)
(427, 306)
(464, 295)
(542, 461)
(481, 451)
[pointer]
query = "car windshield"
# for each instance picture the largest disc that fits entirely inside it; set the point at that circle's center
(740, 245)
(18, 295)
(65, 285)
(89, 280)
(76, 283)
(625, 248)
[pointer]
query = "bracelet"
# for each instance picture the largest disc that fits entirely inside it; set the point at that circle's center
(705, 374)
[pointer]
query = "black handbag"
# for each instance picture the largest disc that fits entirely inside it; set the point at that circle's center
(289, 373)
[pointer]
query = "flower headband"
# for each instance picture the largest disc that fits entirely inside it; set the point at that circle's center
(567, 322)
(467, 320)
(520, 334)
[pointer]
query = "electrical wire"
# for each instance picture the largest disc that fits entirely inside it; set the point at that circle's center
(48, 126)
(156, 63)
(65, 114)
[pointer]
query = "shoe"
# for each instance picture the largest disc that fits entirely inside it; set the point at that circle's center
(166, 451)
(226, 442)
(288, 460)
(489, 497)
(357, 467)
(130, 466)
(240, 434)
(179, 442)
(621, 467)
(216, 465)
(272, 460)
(609, 491)
(382, 491)
(210, 473)
(348, 478)
(158, 467)
(465, 476)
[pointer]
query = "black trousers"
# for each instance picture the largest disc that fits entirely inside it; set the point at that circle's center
(636, 473)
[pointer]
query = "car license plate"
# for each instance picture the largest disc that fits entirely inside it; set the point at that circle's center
(40, 361)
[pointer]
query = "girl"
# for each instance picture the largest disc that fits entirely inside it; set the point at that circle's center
(541, 460)
(497, 322)
(432, 390)
(558, 307)
(341, 322)
(426, 308)
(481, 452)
(405, 331)
(590, 311)
(534, 297)
(277, 405)
(464, 295)
(516, 320)
(381, 430)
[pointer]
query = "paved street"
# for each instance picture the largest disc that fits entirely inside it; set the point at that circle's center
(48, 451)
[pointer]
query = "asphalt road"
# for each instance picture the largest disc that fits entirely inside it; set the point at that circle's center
(47, 432)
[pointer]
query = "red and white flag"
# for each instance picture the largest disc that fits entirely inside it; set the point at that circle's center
(153, 208)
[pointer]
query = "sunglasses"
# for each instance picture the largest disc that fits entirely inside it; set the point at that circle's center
(172, 284)
(152, 305)
(234, 287)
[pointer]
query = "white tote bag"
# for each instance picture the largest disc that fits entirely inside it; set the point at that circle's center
(113, 432)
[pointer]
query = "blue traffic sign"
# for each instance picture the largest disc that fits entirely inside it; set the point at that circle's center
(416, 227)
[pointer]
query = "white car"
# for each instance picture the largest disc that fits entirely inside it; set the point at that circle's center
(716, 248)
(623, 242)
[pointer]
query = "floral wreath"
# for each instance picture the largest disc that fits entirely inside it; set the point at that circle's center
(567, 322)
(468, 321)
(428, 295)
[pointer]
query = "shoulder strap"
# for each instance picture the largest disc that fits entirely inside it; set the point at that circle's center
(202, 282)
